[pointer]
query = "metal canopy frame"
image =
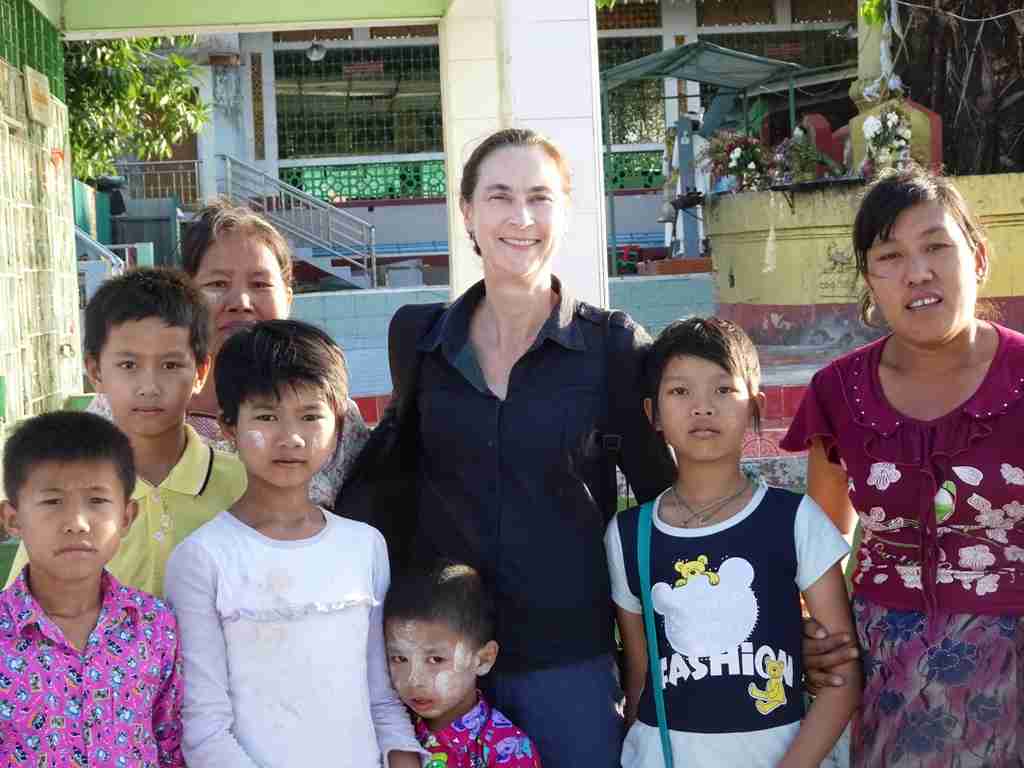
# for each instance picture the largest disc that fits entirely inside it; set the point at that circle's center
(730, 71)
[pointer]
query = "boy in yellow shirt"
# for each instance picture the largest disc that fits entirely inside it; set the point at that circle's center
(147, 350)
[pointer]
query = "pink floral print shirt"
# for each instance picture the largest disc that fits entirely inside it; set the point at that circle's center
(116, 704)
(482, 738)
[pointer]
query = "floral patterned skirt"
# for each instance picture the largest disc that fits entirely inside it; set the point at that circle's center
(944, 690)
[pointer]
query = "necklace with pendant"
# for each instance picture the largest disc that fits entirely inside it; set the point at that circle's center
(699, 516)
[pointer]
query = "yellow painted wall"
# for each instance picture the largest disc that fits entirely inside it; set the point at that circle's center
(768, 252)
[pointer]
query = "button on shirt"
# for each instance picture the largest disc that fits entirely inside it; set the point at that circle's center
(116, 703)
(514, 486)
(204, 482)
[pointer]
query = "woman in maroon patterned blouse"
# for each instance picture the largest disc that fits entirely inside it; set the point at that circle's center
(918, 434)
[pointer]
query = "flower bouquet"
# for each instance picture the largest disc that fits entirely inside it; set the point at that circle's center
(887, 140)
(795, 159)
(742, 157)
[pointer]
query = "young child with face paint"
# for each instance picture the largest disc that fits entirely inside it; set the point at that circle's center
(439, 630)
(278, 601)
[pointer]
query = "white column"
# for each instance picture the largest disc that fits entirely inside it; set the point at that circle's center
(206, 143)
(530, 64)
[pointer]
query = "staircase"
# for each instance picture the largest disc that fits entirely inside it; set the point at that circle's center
(329, 238)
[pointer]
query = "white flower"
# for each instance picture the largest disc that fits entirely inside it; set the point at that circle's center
(911, 575)
(735, 154)
(751, 166)
(1014, 510)
(998, 534)
(874, 520)
(892, 119)
(904, 132)
(976, 558)
(1012, 475)
(986, 584)
(883, 474)
(872, 125)
(965, 579)
(1013, 553)
(992, 518)
(970, 475)
(798, 133)
(979, 503)
(732, 163)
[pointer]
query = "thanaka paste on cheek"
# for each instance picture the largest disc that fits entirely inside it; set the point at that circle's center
(254, 439)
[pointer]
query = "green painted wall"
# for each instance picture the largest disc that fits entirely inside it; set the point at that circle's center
(111, 16)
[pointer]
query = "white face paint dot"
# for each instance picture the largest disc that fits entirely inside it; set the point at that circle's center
(255, 439)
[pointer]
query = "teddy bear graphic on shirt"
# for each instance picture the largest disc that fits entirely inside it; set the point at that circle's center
(709, 612)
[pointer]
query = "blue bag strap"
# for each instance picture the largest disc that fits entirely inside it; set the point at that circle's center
(643, 557)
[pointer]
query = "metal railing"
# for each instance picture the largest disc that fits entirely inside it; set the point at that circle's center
(302, 217)
(86, 245)
(147, 180)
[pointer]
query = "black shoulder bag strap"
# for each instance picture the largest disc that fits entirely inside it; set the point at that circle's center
(381, 488)
(611, 440)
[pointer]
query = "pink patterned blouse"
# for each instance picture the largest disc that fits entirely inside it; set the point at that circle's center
(482, 738)
(118, 703)
(941, 503)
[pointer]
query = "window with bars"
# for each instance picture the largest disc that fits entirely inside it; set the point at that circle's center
(630, 16)
(714, 13)
(358, 101)
(27, 37)
(805, 11)
(811, 48)
(636, 111)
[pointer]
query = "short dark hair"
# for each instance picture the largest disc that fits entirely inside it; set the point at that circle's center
(65, 437)
(888, 197)
(447, 592)
(710, 338)
(160, 292)
(262, 358)
(222, 217)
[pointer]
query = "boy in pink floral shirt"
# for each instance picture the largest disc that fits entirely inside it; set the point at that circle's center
(439, 630)
(89, 669)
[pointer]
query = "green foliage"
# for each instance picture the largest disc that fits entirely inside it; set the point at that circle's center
(127, 97)
(875, 11)
(605, 4)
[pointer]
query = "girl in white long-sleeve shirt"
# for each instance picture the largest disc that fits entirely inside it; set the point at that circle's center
(279, 602)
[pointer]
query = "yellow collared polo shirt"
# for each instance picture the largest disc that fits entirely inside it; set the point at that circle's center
(202, 484)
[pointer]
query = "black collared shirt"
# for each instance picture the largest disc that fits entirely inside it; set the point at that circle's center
(509, 486)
